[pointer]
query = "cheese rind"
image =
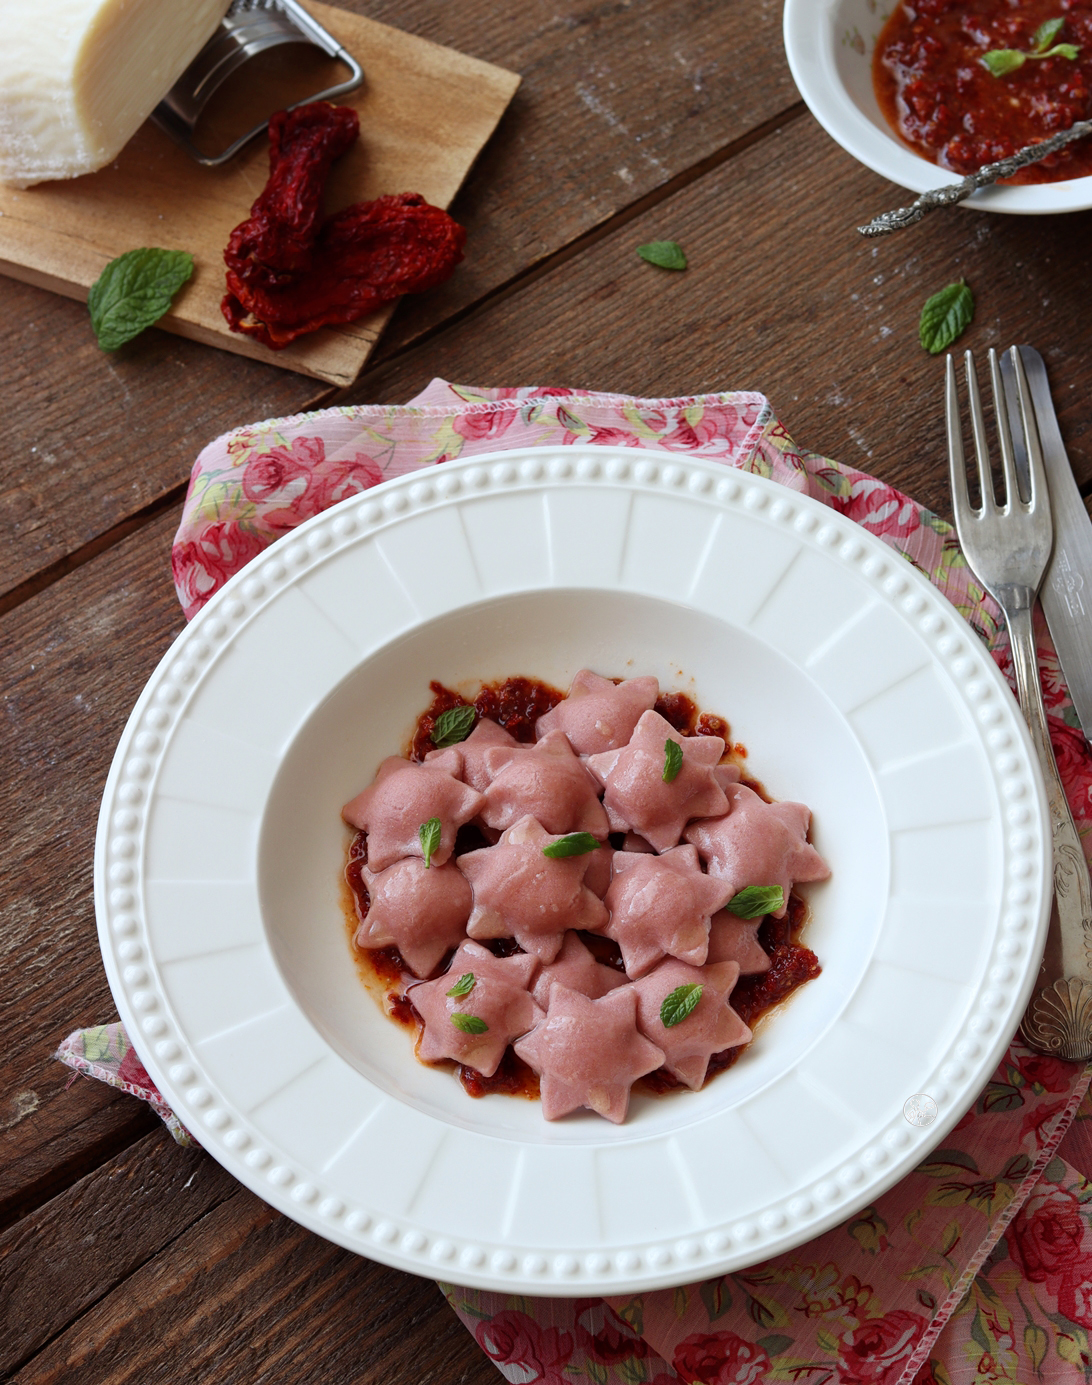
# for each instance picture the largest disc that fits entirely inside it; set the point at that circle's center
(79, 77)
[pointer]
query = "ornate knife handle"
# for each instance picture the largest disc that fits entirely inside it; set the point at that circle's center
(1058, 1019)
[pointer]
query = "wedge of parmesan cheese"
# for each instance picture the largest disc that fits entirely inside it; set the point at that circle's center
(78, 77)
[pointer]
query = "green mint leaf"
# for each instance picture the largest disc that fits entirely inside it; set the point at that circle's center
(667, 254)
(680, 1003)
(453, 726)
(575, 844)
(134, 291)
(1045, 35)
(429, 832)
(469, 1024)
(1061, 50)
(1002, 61)
(463, 986)
(673, 758)
(945, 317)
(756, 900)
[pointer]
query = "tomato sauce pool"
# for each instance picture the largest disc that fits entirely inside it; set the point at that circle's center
(517, 704)
(937, 91)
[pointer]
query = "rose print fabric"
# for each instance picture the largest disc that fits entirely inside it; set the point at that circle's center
(977, 1267)
(106, 1053)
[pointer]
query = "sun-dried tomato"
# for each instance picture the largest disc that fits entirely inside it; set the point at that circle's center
(280, 232)
(287, 276)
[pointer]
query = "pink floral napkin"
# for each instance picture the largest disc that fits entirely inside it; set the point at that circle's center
(978, 1265)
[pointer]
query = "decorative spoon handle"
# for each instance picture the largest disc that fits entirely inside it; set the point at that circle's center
(949, 195)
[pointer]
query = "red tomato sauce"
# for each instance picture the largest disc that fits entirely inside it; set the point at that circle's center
(517, 703)
(937, 94)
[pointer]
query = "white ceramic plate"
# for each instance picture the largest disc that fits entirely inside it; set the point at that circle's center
(856, 688)
(829, 45)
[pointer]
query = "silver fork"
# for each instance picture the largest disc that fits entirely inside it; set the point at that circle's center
(1008, 546)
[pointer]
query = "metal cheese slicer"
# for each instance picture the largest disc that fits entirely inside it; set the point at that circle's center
(250, 27)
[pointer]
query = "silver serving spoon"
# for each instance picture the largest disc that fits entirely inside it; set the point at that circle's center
(952, 193)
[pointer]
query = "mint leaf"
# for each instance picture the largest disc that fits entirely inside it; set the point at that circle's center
(463, 986)
(469, 1024)
(945, 317)
(756, 900)
(429, 832)
(667, 254)
(134, 291)
(680, 1003)
(453, 726)
(575, 844)
(673, 758)
(1045, 35)
(1002, 61)
(1061, 50)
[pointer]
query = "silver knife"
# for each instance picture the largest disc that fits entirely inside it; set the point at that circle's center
(1066, 593)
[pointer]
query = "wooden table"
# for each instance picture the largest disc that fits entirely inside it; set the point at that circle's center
(122, 1256)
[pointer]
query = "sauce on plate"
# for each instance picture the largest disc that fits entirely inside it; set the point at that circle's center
(945, 103)
(517, 704)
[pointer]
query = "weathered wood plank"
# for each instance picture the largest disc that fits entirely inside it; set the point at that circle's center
(57, 1262)
(618, 96)
(783, 296)
(246, 1294)
(73, 1130)
(91, 438)
(72, 662)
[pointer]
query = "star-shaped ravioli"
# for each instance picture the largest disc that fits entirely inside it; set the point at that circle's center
(491, 1007)
(599, 715)
(588, 1053)
(422, 911)
(733, 939)
(661, 906)
(520, 893)
(403, 798)
(546, 781)
(598, 875)
(758, 843)
(710, 1027)
(487, 735)
(577, 970)
(638, 798)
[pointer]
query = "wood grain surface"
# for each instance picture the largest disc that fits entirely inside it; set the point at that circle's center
(425, 113)
(123, 1257)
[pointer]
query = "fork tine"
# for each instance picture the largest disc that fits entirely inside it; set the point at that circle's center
(1004, 437)
(957, 464)
(978, 428)
(1038, 486)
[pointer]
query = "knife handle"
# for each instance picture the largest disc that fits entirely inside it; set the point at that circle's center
(1058, 1019)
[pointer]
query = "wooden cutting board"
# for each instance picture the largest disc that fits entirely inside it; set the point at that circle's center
(425, 113)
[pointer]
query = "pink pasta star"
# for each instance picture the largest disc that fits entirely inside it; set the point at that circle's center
(599, 715)
(711, 1027)
(588, 1053)
(487, 735)
(546, 781)
(422, 912)
(495, 996)
(520, 893)
(661, 905)
(639, 799)
(733, 939)
(758, 843)
(402, 798)
(577, 970)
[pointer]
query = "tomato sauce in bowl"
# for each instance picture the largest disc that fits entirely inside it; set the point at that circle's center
(946, 104)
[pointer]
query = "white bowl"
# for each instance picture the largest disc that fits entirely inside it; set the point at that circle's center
(855, 687)
(829, 45)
